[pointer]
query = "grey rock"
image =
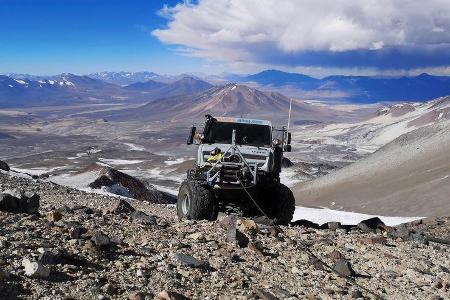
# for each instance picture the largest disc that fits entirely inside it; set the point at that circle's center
(144, 218)
(100, 239)
(264, 295)
(170, 295)
(190, 261)
(343, 268)
(122, 207)
(334, 225)
(16, 201)
(4, 166)
(35, 269)
(234, 235)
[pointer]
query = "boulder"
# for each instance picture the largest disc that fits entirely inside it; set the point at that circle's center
(371, 224)
(334, 225)
(170, 295)
(109, 177)
(237, 237)
(343, 268)
(122, 207)
(248, 226)
(4, 166)
(100, 239)
(374, 240)
(19, 202)
(142, 217)
(35, 269)
(190, 261)
(54, 216)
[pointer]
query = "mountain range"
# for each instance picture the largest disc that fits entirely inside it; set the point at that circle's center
(361, 89)
(67, 89)
(29, 90)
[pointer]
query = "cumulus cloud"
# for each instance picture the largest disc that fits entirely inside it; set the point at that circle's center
(338, 33)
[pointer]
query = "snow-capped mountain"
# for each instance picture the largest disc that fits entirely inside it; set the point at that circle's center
(60, 89)
(124, 78)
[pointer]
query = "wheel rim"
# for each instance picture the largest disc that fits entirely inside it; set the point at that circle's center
(185, 204)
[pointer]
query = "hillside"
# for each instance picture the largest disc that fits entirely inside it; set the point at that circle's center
(407, 177)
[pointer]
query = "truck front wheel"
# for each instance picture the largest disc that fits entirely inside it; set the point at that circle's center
(277, 202)
(196, 201)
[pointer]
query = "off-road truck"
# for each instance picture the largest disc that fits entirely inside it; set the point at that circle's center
(239, 160)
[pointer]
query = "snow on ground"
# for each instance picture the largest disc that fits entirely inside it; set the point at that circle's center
(175, 161)
(35, 171)
(135, 147)
(119, 161)
(324, 215)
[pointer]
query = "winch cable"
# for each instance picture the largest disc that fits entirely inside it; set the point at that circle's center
(306, 248)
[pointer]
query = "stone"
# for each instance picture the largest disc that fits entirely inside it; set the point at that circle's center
(170, 295)
(100, 239)
(142, 217)
(198, 236)
(109, 289)
(335, 255)
(16, 201)
(50, 257)
(190, 261)
(343, 268)
(370, 225)
(122, 207)
(228, 222)
(374, 240)
(264, 295)
(334, 225)
(136, 295)
(54, 216)
(236, 236)
(35, 269)
(314, 261)
(76, 232)
(4, 275)
(249, 226)
(4, 166)
(357, 294)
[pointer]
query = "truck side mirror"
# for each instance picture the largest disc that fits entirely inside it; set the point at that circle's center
(190, 139)
(287, 148)
(289, 136)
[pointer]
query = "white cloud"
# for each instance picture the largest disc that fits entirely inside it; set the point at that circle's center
(260, 31)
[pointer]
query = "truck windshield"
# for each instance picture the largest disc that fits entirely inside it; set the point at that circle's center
(246, 134)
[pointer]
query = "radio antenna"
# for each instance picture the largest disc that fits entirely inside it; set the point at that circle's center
(289, 117)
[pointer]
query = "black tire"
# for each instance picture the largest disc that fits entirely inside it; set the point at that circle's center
(196, 201)
(277, 202)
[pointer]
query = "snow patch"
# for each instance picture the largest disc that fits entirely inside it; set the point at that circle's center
(324, 215)
(175, 162)
(21, 81)
(120, 161)
(134, 147)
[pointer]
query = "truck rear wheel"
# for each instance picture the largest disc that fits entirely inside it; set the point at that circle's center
(196, 201)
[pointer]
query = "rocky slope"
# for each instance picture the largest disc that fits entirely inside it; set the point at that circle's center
(86, 246)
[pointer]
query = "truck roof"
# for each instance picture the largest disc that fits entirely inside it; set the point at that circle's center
(243, 120)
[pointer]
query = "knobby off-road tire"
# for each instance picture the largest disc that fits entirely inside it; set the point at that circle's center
(277, 202)
(196, 201)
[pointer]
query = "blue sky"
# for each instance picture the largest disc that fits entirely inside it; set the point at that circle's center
(83, 36)
(318, 38)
